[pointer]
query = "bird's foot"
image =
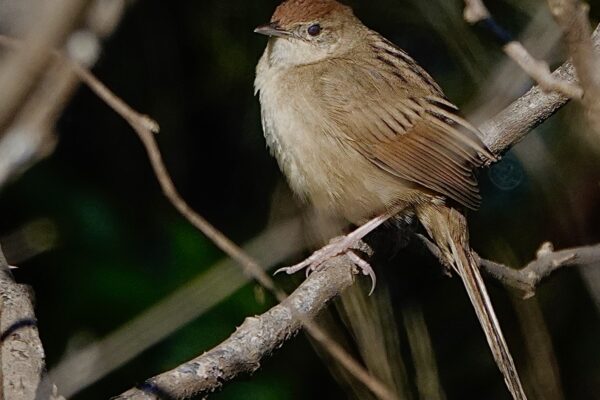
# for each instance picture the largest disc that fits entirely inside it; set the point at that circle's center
(344, 245)
(340, 245)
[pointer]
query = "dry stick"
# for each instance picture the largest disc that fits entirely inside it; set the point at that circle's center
(21, 71)
(253, 340)
(547, 261)
(529, 277)
(476, 13)
(30, 136)
(145, 127)
(572, 17)
(21, 353)
(513, 123)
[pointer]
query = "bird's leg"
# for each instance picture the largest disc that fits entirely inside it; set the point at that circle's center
(342, 245)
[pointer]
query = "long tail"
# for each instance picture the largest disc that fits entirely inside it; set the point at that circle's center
(448, 228)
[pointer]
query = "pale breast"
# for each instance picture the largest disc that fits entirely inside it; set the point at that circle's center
(318, 162)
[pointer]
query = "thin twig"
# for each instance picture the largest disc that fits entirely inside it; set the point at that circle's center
(546, 262)
(513, 123)
(21, 71)
(475, 12)
(540, 71)
(572, 17)
(529, 277)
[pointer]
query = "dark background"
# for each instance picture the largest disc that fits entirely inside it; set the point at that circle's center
(116, 246)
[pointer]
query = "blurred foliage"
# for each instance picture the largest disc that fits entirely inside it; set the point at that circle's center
(120, 247)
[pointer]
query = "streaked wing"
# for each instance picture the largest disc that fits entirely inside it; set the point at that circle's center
(398, 118)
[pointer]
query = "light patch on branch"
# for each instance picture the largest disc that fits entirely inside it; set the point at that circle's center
(475, 11)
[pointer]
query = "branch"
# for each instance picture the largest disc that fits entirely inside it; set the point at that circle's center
(186, 304)
(256, 338)
(29, 136)
(21, 352)
(20, 73)
(547, 261)
(572, 17)
(476, 13)
(529, 277)
(512, 124)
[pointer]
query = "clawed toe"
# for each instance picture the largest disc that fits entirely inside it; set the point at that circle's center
(365, 269)
(316, 261)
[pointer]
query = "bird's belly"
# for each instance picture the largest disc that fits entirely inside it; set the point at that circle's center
(324, 170)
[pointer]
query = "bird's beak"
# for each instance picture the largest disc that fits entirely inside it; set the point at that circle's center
(272, 29)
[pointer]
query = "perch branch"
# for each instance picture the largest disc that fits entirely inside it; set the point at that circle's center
(21, 352)
(257, 337)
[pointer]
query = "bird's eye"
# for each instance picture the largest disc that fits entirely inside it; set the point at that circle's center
(314, 30)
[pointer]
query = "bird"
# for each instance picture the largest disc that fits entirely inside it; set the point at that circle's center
(362, 132)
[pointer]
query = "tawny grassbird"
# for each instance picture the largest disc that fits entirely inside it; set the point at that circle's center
(363, 132)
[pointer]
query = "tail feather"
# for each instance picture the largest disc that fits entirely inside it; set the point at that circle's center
(448, 229)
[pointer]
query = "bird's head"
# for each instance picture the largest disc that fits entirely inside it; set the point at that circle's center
(308, 31)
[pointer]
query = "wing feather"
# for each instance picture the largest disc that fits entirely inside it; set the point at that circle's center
(405, 127)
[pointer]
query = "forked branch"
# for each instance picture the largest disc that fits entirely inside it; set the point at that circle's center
(530, 276)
